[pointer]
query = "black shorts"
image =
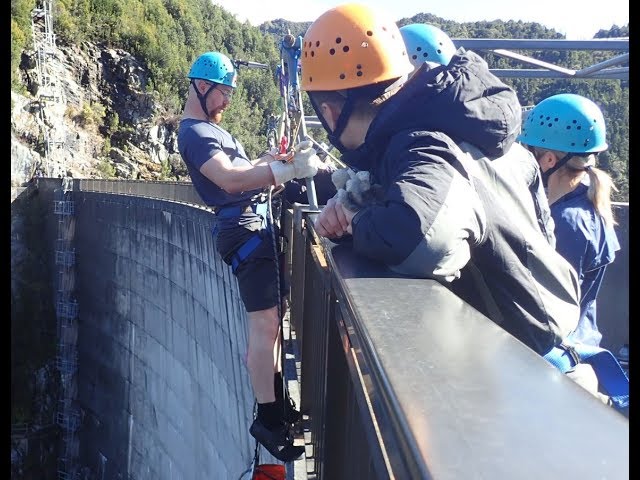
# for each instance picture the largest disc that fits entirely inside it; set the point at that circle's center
(259, 273)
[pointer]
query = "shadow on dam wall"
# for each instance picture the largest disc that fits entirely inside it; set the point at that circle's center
(161, 383)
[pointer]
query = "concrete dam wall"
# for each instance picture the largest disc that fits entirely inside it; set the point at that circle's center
(161, 337)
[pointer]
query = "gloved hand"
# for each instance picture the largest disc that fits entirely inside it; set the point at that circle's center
(304, 163)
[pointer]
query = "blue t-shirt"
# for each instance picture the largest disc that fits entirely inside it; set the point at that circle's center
(589, 246)
(198, 141)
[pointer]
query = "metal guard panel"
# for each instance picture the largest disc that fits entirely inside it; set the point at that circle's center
(464, 398)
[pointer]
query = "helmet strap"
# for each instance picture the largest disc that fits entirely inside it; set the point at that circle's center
(559, 164)
(203, 98)
(341, 123)
(334, 135)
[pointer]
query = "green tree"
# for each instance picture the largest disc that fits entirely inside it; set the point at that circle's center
(20, 36)
(168, 35)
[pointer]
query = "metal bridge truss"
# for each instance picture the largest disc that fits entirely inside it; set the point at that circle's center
(609, 69)
(614, 68)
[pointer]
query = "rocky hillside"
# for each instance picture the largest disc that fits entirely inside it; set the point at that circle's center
(101, 122)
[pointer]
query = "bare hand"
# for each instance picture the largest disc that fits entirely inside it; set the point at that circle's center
(334, 220)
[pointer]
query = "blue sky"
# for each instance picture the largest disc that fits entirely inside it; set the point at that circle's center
(577, 19)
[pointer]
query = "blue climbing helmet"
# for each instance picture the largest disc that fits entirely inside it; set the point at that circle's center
(426, 43)
(214, 67)
(567, 123)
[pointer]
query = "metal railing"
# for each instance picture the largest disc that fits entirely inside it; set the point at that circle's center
(400, 379)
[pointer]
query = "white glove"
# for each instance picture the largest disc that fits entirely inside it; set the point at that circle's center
(305, 160)
(304, 164)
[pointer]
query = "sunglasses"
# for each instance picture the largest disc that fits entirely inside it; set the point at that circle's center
(225, 93)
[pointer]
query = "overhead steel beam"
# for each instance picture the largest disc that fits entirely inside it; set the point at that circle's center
(612, 44)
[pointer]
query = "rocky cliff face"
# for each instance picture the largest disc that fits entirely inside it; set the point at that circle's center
(98, 118)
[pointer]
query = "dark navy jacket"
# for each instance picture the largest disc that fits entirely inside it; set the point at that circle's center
(449, 211)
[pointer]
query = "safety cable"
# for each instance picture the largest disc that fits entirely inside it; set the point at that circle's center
(270, 226)
(276, 257)
(325, 151)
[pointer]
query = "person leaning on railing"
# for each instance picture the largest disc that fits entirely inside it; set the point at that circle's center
(516, 175)
(565, 133)
(435, 215)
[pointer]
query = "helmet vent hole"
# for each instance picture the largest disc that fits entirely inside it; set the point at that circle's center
(414, 57)
(568, 127)
(369, 33)
(550, 124)
(358, 66)
(419, 49)
(342, 76)
(345, 49)
(359, 74)
(425, 54)
(439, 51)
(579, 127)
(313, 53)
(310, 79)
(338, 40)
(332, 51)
(317, 43)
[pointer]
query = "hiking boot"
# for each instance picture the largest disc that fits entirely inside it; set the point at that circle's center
(278, 441)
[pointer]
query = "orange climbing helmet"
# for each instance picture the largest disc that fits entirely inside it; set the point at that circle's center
(350, 46)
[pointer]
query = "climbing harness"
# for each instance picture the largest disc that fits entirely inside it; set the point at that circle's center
(611, 377)
(260, 209)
